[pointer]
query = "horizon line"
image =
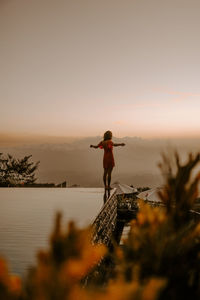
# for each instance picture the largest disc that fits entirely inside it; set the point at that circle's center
(10, 136)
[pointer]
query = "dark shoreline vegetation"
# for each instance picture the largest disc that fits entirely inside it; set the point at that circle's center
(34, 185)
(160, 259)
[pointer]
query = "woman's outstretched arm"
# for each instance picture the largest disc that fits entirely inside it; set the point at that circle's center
(94, 146)
(97, 146)
(116, 145)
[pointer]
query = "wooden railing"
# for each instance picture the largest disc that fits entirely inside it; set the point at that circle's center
(105, 222)
(104, 226)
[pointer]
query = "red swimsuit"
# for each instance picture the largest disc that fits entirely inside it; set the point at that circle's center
(108, 159)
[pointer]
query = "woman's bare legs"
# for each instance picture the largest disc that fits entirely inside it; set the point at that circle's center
(105, 177)
(107, 173)
(109, 176)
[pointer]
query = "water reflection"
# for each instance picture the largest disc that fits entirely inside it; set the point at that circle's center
(27, 214)
(106, 195)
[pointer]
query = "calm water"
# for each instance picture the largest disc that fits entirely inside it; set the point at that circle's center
(27, 215)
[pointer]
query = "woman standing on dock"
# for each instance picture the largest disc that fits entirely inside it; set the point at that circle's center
(108, 159)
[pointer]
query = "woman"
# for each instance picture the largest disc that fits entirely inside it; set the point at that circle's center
(108, 159)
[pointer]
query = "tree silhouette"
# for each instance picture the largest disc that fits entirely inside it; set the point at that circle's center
(15, 172)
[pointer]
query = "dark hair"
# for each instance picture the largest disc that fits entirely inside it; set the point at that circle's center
(107, 135)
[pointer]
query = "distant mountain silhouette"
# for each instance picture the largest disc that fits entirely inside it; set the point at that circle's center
(74, 161)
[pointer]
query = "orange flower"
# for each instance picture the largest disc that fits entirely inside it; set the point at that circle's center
(15, 284)
(141, 218)
(3, 272)
(152, 288)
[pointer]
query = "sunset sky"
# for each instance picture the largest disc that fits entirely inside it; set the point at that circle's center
(80, 67)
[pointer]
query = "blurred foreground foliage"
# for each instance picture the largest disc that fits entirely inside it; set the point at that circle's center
(160, 259)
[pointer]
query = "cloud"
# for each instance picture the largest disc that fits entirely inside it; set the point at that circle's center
(179, 96)
(141, 100)
(120, 122)
(141, 104)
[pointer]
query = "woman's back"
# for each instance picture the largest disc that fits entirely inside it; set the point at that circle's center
(106, 145)
(108, 159)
